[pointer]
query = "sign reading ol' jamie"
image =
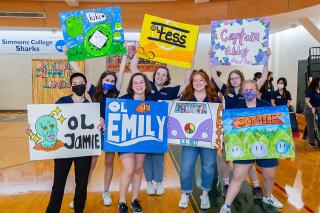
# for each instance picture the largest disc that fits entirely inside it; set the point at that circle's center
(135, 126)
(240, 41)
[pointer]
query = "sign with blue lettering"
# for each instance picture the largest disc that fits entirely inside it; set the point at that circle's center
(135, 126)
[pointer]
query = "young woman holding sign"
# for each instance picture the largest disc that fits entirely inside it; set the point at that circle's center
(231, 94)
(82, 164)
(241, 168)
(199, 89)
(154, 163)
(132, 163)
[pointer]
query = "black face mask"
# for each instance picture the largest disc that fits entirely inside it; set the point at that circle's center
(79, 89)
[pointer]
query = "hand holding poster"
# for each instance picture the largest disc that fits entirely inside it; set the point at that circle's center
(203, 130)
(168, 41)
(257, 133)
(93, 33)
(60, 131)
(135, 126)
(241, 41)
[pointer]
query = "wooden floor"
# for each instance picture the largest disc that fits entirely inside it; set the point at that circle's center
(25, 186)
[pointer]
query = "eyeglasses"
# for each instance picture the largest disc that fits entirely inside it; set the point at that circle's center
(235, 78)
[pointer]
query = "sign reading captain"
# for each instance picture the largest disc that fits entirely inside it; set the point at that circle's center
(136, 126)
(167, 41)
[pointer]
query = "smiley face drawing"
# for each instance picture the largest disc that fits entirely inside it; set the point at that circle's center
(282, 147)
(236, 151)
(46, 127)
(259, 150)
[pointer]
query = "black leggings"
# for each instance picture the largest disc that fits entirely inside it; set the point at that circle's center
(61, 170)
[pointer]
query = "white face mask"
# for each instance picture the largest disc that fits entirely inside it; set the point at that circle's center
(280, 86)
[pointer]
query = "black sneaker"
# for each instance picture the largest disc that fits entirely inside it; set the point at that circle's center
(123, 208)
(257, 193)
(224, 190)
(135, 205)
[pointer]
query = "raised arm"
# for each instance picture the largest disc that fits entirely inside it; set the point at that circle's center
(186, 78)
(265, 70)
(120, 74)
(214, 74)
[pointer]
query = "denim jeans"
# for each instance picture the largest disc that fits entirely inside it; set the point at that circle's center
(154, 167)
(189, 157)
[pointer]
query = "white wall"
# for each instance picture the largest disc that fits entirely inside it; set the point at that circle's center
(287, 48)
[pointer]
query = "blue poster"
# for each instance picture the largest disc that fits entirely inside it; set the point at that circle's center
(93, 33)
(135, 126)
(257, 133)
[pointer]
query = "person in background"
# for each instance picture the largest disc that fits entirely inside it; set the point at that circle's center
(257, 76)
(281, 96)
(311, 109)
(267, 89)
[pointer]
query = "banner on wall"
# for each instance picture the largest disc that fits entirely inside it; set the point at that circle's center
(203, 130)
(239, 41)
(50, 79)
(60, 131)
(31, 42)
(257, 133)
(144, 65)
(135, 126)
(168, 41)
(93, 33)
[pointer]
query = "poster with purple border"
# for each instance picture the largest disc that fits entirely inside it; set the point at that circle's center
(239, 41)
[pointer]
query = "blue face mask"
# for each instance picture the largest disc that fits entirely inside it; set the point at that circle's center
(108, 86)
(249, 95)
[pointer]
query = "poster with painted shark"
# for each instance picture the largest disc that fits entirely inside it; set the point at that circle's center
(63, 130)
(135, 126)
(195, 124)
(257, 133)
(239, 41)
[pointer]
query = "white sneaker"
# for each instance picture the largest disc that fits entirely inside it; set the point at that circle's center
(150, 188)
(183, 203)
(106, 199)
(205, 202)
(272, 201)
(159, 188)
(71, 205)
(225, 209)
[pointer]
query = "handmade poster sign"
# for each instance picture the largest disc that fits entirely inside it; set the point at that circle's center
(195, 124)
(93, 33)
(168, 41)
(60, 131)
(257, 133)
(50, 79)
(144, 65)
(240, 41)
(135, 126)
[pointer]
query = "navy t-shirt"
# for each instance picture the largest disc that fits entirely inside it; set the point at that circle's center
(280, 99)
(266, 94)
(314, 97)
(165, 93)
(68, 100)
(231, 99)
(130, 97)
(260, 103)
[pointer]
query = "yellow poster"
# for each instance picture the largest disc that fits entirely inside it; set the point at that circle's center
(167, 41)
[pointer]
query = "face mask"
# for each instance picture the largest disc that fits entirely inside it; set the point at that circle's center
(249, 95)
(79, 89)
(280, 86)
(108, 86)
(271, 79)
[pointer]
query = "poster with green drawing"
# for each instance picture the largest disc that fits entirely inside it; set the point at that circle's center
(93, 33)
(257, 133)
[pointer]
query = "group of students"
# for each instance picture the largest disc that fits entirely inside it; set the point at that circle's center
(197, 87)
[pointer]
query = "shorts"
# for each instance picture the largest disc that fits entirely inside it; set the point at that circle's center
(264, 163)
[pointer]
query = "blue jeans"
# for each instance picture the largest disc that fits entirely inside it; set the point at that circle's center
(153, 167)
(189, 157)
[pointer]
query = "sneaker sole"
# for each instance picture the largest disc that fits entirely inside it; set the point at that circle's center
(183, 207)
(107, 204)
(205, 207)
(134, 210)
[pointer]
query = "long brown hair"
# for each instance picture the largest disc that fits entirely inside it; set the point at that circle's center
(188, 93)
(230, 88)
(148, 86)
(98, 96)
